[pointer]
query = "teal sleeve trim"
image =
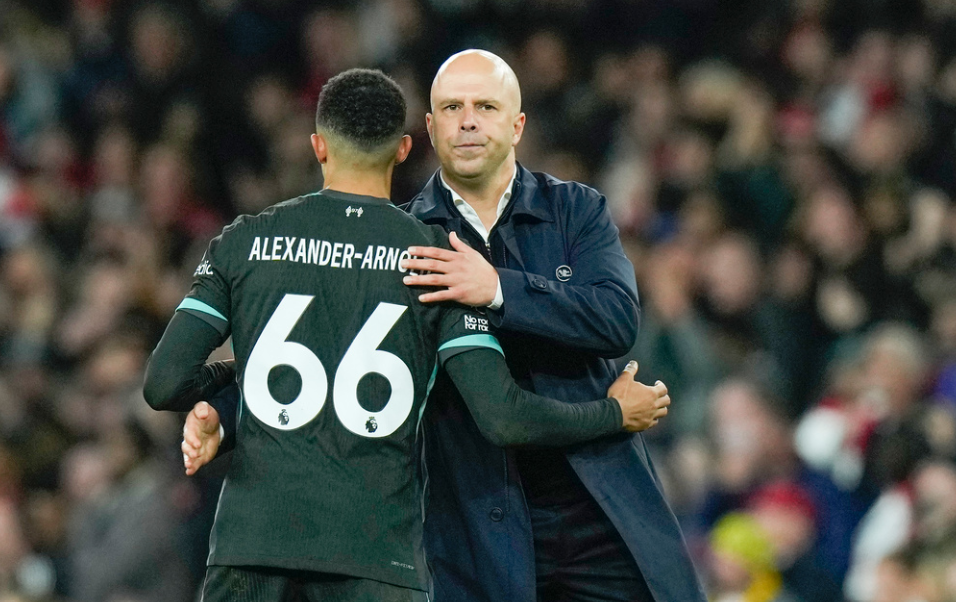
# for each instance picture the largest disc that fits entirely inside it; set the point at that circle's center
(195, 304)
(473, 340)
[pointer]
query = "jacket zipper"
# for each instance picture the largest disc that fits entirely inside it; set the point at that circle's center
(504, 217)
(466, 225)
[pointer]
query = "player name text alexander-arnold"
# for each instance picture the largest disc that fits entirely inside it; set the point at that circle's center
(326, 253)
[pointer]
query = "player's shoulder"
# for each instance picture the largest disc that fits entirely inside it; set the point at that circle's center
(430, 234)
(435, 235)
(271, 213)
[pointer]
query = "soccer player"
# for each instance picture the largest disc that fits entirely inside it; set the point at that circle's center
(334, 358)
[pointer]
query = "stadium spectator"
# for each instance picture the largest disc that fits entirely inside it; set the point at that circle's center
(788, 516)
(742, 562)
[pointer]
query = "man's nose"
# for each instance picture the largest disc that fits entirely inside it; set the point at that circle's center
(469, 123)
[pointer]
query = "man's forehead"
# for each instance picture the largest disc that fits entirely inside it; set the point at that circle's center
(473, 75)
(468, 83)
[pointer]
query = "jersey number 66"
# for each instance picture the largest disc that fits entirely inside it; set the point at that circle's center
(362, 357)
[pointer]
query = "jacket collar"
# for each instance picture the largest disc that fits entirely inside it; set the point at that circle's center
(525, 199)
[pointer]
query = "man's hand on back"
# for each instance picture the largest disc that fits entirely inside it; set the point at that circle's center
(464, 273)
(641, 406)
(201, 437)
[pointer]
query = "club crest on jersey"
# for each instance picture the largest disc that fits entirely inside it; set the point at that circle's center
(204, 269)
(371, 425)
(563, 273)
(350, 211)
(283, 418)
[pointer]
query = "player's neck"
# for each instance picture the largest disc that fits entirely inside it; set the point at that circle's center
(368, 182)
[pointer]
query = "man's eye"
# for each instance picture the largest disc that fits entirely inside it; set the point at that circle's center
(451, 108)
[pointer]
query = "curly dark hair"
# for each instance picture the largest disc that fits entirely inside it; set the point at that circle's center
(364, 107)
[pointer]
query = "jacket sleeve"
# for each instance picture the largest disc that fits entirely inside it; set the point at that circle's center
(596, 310)
(508, 415)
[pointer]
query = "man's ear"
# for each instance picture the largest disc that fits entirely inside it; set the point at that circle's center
(519, 129)
(404, 147)
(430, 127)
(321, 148)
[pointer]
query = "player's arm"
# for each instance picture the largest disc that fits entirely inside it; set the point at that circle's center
(508, 415)
(177, 375)
(505, 413)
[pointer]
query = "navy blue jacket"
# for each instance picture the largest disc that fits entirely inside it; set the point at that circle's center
(570, 300)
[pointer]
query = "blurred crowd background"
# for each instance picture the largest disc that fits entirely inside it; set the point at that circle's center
(783, 174)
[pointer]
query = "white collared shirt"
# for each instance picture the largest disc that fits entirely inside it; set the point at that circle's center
(471, 216)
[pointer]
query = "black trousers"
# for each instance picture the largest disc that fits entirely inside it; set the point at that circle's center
(260, 584)
(580, 556)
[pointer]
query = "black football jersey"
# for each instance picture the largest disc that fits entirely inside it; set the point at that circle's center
(335, 357)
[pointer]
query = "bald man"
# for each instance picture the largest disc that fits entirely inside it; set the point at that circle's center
(543, 258)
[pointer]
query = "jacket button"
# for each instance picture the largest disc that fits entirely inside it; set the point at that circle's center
(496, 514)
(538, 283)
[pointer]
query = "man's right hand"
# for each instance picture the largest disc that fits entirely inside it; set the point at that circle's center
(641, 406)
(201, 437)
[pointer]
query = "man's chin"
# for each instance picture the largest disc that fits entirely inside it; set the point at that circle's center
(468, 170)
